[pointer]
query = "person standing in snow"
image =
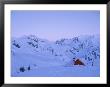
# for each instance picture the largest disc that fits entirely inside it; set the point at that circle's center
(28, 68)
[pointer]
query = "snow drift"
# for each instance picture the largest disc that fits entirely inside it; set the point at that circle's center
(33, 56)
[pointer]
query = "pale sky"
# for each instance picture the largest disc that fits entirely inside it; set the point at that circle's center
(54, 25)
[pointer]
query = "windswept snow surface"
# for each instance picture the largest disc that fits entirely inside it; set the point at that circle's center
(35, 57)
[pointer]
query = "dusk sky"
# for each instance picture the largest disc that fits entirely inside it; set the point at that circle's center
(54, 25)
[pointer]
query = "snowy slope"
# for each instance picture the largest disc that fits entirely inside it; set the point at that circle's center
(36, 53)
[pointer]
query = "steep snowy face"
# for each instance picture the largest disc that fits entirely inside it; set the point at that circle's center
(29, 44)
(86, 48)
(61, 52)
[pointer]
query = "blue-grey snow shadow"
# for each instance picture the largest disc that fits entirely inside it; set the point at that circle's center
(32, 56)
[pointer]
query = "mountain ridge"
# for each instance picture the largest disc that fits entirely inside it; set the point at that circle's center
(38, 53)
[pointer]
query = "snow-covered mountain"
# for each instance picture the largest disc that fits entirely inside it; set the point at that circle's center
(35, 52)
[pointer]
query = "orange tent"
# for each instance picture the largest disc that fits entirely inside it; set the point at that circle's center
(78, 62)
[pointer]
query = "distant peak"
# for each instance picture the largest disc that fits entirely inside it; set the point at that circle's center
(32, 35)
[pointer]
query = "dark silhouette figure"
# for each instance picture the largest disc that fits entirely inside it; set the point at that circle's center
(22, 69)
(29, 68)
